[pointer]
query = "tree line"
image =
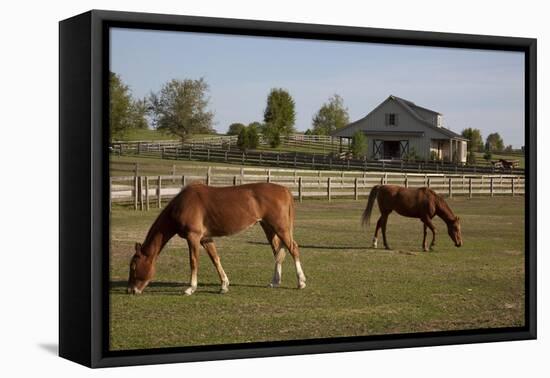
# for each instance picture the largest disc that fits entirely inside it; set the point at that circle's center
(493, 144)
(181, 108)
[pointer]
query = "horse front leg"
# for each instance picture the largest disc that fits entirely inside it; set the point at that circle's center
(428, 223)
(193, 241)
(210, 248)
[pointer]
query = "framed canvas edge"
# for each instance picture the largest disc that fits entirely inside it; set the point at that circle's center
(99, 216)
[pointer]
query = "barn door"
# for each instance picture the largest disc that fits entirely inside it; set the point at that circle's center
(378, 148)
(404, 147)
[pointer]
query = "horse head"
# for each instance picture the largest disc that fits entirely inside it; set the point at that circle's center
(453, 228)
(142, 270)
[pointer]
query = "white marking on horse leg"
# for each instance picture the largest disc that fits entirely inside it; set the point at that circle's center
(300, 275)
(191, 289)
(225, 284)
(277, 275)
(278, 271)
(374, 243)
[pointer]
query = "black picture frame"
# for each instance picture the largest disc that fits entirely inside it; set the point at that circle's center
(84, 170)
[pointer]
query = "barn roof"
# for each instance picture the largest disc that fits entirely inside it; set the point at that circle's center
(411, 108)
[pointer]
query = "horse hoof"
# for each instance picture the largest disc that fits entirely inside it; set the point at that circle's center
(224, 290)
(301, 285)
(426, 250)
(189, 291)
(273, 285)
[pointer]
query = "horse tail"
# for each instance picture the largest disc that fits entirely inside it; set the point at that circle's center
(291, 213)
(365, 219)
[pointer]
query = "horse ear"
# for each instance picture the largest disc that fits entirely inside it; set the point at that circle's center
(457, 219)
(138, 248)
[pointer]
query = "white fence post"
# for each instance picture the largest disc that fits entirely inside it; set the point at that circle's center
(147, 193)
(300, 189)
(159, 192)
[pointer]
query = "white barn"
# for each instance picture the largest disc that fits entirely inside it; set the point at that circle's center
(397, 128)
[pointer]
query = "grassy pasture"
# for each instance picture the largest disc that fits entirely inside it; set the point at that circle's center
(155, 135)
(506, 156)
(351, 288)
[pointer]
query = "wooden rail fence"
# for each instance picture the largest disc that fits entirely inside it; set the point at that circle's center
(302, 160)
(320, 143)
(144, 192)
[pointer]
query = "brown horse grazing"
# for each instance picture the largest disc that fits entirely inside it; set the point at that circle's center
(421, 203)
(199, 213)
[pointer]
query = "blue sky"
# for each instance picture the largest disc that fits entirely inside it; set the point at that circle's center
(471, 88)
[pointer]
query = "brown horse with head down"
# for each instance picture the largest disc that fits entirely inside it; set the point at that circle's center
(421, 203)
(199, 213)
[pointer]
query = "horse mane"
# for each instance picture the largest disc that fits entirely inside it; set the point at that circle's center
(443, 209)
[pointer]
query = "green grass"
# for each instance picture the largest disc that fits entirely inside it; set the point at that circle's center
(151, 134)
(351, 288)
(520, 158)
(146, 134)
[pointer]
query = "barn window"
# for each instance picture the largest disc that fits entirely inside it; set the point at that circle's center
(391, 119)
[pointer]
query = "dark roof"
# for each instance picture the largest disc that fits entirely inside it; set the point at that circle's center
(411, 108)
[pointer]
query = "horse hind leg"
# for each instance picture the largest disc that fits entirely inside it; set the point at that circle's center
(210, 248)
(278, 253)
(384, 219)
(292, 247)
(375, 237)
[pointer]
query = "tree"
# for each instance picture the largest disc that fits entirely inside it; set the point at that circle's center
(248, 138)
(279, 116)
(475, 143)
(331, 116)
(257, 125)
(509, 149)
(140, 109)
(253, 136)
(488, 155)
(124, 112)
(494, 142)
(235, 128)
(180, 108)
(471, 158)
(359, 144)
(411, 155)
(242, 140)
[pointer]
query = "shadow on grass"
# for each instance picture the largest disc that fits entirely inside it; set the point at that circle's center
(311, 246)
(166, 288)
